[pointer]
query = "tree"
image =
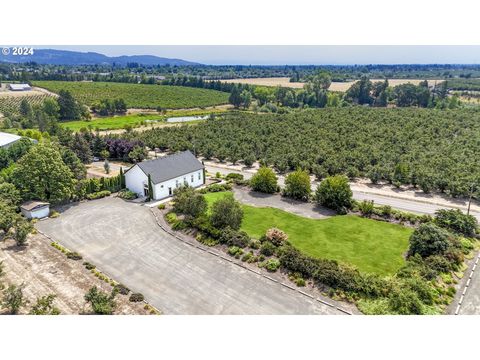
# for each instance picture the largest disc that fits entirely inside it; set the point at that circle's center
(13, 299)
(106, 166)
(44, 306)
(456, 221)
(263, 95)
(360, 91)
(297, 185)
(428, 239)
(122, 178)
(51, 108)
(25, 108)
(41, 174)
(189, 202)
(8, 216)
(81, 148)
(235, 96)
(98, 146)
(264, 181)
(69, 108)
(227, 212)
(101, 302)
(9, 194)
(120, 106)
(70, 159)
(137, 154)
(334, 192)
(22, 229)
(104, 154)
(150, 188)
(246, 98)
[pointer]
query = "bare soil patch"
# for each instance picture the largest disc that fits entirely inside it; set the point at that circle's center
(45, 270)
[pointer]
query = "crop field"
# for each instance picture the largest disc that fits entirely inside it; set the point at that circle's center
(139, 95)
(335, 86)
(432, 149)
(133, 120)
(372, 246)
(10, 101)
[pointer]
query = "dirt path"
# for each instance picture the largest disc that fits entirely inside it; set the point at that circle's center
(45, 270)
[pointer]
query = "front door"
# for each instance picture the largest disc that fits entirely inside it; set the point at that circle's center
(145, 191)
(170, 192)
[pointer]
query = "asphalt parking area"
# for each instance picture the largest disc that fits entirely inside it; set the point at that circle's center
(123, 240)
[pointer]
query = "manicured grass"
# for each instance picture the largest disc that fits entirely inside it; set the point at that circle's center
(372, 246)
(119, 122)
(139, 95)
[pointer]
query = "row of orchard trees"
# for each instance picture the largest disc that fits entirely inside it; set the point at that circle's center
(430, 149)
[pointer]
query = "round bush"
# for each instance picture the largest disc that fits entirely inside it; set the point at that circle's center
(136, 297)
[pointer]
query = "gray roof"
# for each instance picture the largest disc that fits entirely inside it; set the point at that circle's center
(171, 166)
(19, 86)
(33, 205)
(7, 139)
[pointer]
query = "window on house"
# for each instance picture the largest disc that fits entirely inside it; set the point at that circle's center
(199, 176)
(191, 178)
(177, 183)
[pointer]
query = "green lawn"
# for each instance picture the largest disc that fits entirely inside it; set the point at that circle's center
(370, 245)
(119, 122)
(139, 95)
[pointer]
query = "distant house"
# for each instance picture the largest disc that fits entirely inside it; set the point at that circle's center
(19, 87)
(35, 209)
(7, 139)
(166, 173)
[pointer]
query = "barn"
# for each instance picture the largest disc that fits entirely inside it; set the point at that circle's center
(166, 173)
(19, 87)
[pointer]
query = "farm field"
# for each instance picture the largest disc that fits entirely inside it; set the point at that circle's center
(133, 120)
(335, 86)
(372, 246)
(139, 95)
(10, 101)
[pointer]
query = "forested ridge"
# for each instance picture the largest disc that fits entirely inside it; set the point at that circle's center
(434, 149)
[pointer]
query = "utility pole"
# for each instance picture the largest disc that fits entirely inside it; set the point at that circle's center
(470, 198)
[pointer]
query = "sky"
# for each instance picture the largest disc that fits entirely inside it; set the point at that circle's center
(295, 54)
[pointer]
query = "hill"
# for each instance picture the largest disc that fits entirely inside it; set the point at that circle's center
(64, 57)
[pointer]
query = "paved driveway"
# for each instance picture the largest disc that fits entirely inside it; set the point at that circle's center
(301, 208)
(123, 240)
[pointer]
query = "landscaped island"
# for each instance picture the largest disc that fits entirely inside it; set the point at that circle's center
(372, 246)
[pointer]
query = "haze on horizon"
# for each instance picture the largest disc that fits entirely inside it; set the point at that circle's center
(295, 54)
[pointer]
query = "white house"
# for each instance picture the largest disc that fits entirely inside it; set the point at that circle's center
(7, 139)
(35, 209)
(166, 173)
(19, 87)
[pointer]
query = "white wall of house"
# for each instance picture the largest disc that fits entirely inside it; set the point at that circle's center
(135, 179)
(193, 179)
(36, 213)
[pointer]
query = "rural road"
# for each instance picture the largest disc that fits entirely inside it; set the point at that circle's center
(123, 240)
(413, 206)
(471, 299)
